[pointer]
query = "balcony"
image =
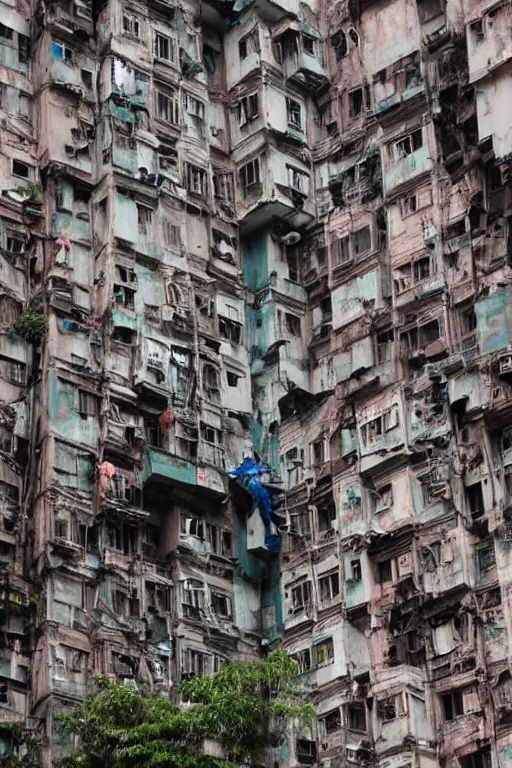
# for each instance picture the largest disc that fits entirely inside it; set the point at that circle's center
(162, 466)
(303, 62)
(276, 186)
(355, 593)
(407, 167)
(398, 83)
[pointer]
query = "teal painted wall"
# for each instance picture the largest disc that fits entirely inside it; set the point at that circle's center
(272, 602)
(255, 260)
(494, 322)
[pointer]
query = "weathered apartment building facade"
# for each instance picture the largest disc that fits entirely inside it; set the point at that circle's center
(278, 230)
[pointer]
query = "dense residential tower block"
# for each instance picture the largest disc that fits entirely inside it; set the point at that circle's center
(272, 237)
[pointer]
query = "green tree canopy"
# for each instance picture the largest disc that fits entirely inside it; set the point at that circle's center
(245, 708)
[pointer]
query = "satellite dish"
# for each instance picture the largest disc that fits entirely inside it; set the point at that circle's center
(292, 238)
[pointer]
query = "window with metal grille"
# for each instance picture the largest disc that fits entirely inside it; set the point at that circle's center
(144, 219)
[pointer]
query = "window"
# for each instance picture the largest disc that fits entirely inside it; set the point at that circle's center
(86, 77)
(192, 526)
(324, 653)
(171, 234)
(210, 377)
(355, 570)
(480, 759)
(10, 310)
(318, 452)
(210, 57)
(294, 114)
(223, 186)
(408, 145)
(16, 372)
(486, 557)
(144, 220)
(292, 324)
(475, 500)
(300, 528)
(193, 593)
(361, 241)
(114, 536)
(247, 109)
(157, 597)
(356, 716)
(120, 602)
(385, 346)
(308, 45)
(294, 467)
(124, 296)
(375, 429)
(167, 108)
(341, 251)
(298, 180)
(382, 499)
(306, 751)
(354, 36)
(230, 330)
(304, 661)
(421, 269)
(6, 33)
(61, 529)
(21, 170)
(326, 515)
(249, 44)
(131, 25)
(332, 721)
(355, 102)
(211, 435)
(61, 51)
(346, 248)
(327, 117)
(195, 179)
(329, 586)
(232, 379)
(385, 572)
(301, 597)
(193, 106)
(390, 708)
(87, 404)
(477, 30)
(339, 44)
(164, 47)
(221, 605)
(125, 275)
(221, 541)
(409, 205)
(468, 321)
(294, 261)
(452, 704)
(124, 489)
(250, 177)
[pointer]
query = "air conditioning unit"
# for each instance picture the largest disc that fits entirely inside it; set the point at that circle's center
(506, 363)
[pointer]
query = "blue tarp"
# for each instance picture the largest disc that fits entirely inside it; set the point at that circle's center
(248, 476)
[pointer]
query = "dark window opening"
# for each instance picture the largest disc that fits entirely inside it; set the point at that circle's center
(475, 500)
(332, 721)
(339, 43)
(355, 102)
(356, 716)
(452, 705)
(20, 169)
(385, 572)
